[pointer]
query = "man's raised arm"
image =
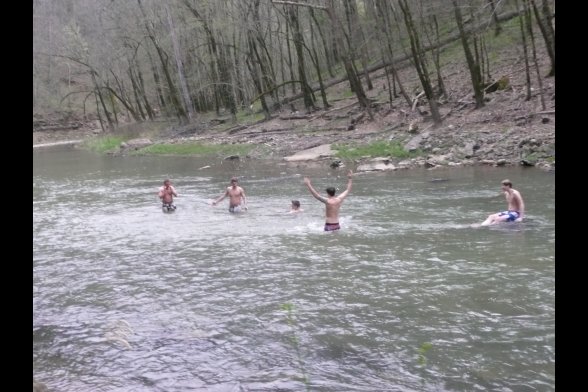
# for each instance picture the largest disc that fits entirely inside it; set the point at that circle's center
(349, 185)
(313, 191)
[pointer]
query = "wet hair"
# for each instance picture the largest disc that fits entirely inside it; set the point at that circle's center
(295, 203)
(331, 191)
(166, 181)
(234, 179)
(507, 183)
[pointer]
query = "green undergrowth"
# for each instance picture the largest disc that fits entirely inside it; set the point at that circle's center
(376, 149)
(103, 144)
(196, 149)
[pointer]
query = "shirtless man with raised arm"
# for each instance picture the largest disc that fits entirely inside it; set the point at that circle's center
(516, 206)
(237, 201)
(332, 203)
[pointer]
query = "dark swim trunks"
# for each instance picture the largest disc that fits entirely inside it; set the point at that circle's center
(512, 215)
(332, 226)
(168, 207)
(235, 209)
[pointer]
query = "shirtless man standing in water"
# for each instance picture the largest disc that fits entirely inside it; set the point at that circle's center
(237, 201)
(332, 203)
(516, 207)
(166, 194)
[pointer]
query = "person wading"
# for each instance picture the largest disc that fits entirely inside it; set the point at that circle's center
(332, 202)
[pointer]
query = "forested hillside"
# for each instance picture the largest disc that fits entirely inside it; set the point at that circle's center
(119, 62)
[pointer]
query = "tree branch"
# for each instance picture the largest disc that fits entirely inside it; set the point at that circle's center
(320, 7)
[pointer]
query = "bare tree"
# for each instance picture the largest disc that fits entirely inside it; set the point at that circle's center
(163, 58)
(544, 18)
(314, 56)
(385, 23)
(328, 52)
(356, 39)
(220, 65)
(473, 65)
(420, 62)
(179, 64)
(528, 22)
(299, 44)
(497, 28)
(430, 26)
(347, 59)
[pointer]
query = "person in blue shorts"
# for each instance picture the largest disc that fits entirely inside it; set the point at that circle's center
(516, 206)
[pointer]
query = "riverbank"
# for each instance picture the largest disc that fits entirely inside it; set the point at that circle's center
(473, 137)
(509, 130)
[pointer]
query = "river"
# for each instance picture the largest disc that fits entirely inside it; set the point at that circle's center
(405, 297)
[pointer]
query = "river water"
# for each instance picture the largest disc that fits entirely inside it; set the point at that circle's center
(405, 297)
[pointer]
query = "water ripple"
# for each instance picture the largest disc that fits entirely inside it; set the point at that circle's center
(406, 297)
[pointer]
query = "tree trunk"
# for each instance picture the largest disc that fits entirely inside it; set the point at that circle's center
(220, 64)
(327, 50)
(354, 81)
(290, 65)
(282, 60)
(497, 28)
(525, 55)
(473, 66)
(123, 98)
(141, 85)
(255, 77)
(180, 66)
(173, 93)
(162, 101)
(136, 92)
(528, 19)
(546, 28)
(265, 57)
(112, 104)
(100, 120)
(436, 58)
(298, 39)
(315, 59)
(356, 39)
(385, 24)
(419, 61)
